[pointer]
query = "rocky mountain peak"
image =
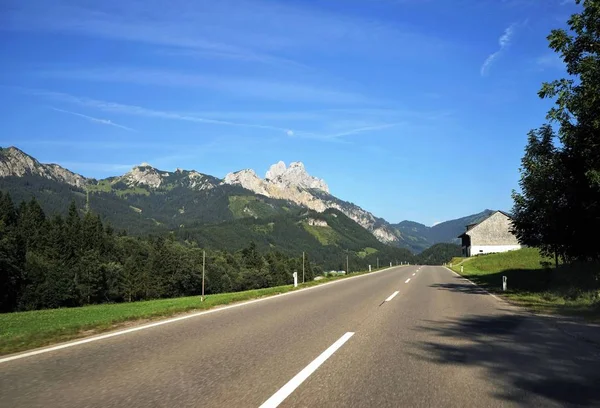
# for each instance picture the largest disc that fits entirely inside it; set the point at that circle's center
(144, 174)
(294, 176)
(275, 171)
(248, 179)
(17, 163)
(294, 184)
(14, 162)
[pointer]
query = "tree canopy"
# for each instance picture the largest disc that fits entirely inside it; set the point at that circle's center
(558, 208)
(78, 260)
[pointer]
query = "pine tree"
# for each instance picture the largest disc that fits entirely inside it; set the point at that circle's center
(12, 256)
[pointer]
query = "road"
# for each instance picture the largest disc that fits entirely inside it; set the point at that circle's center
(439, 341)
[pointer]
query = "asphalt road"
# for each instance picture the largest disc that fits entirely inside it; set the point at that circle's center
(439, 341)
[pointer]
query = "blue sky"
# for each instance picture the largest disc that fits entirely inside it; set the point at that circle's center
(413, 109)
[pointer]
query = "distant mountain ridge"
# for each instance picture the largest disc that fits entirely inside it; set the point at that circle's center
(14, 162)
(147, 199)
(446, 231)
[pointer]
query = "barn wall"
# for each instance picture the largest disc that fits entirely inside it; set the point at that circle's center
(488, 249)
(494, 231)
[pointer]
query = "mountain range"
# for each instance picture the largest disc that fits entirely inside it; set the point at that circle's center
(189, 203)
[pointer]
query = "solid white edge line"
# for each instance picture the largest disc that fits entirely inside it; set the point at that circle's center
(172, 320)
(474, 284)
(408, 280)
(299, 378)
(393, 295)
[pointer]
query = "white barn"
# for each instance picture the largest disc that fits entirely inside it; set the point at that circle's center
(489, 236)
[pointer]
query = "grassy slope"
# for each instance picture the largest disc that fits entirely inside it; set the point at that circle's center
(27, 330)
(325, 235)
(568, 290)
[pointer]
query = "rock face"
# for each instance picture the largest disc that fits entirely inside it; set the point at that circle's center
(294, 184)
(294, 176)
(145, 175)
(275, 171)
(316, 223)
(148, 176)
(13, 162)
(249, 180)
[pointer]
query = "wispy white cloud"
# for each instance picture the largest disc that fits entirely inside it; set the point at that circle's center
(347, 132)
(238, 56)
(254, 30)
(95, 120)
(239, 87)
(504, 41)
(134, 110)
(334, 129)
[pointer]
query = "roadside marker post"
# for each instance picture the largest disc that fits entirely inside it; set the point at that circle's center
(295, 279)
(462, 268)
(504, 283)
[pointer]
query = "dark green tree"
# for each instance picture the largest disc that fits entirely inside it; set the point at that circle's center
(540, 211)
(12, 255)
(566, 227)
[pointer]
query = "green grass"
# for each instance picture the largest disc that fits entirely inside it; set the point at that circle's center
(534, 283)
(457, 260)
(105, 186)
(102, 186)
(264, 228)
(325, 235)
(246, 206)
(26, 330)
(367, 251)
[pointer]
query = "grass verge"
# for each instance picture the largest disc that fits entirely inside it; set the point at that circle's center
(569, 290)
(21, 331)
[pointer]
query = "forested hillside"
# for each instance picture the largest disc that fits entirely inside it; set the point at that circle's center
(76, 259)
(438, 254)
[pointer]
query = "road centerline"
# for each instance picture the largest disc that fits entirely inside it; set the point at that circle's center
(299, 378)
(393, 295)
(408, 280)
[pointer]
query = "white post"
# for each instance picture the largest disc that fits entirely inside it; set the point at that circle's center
(504, 283)
(295, 279)
(390, 264)
(369, 268)
(462, 268)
